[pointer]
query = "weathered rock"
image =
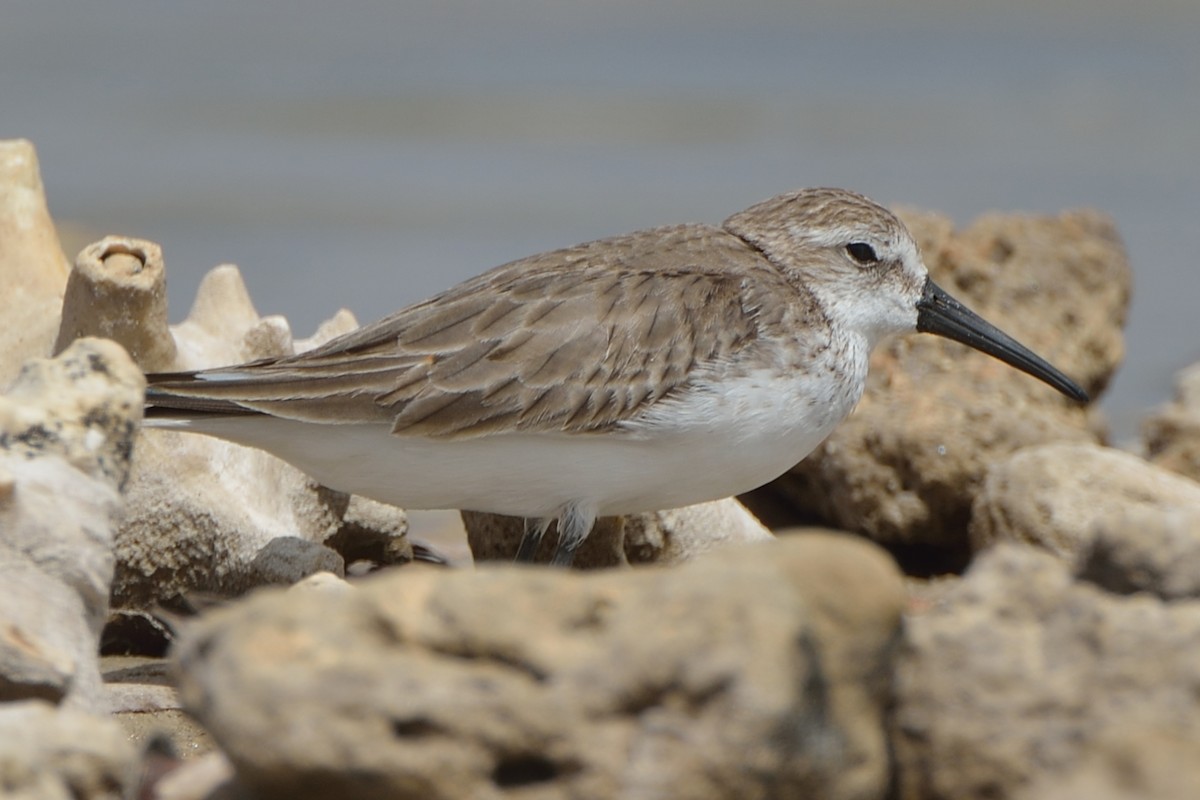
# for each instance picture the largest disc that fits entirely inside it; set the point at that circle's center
(660, 537)
(1172, 434)
(1145, 549)
(1055, 495)
(1021, 675)
(905, 466)
(52, 754)
(202, 514)
(759, 672)
(679, 534)
(118, 291)
(209, 777)
(66, 433)
(1138, 764)
(33, 269)
(47, 648)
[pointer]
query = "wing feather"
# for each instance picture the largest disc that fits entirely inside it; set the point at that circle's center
(575, 341)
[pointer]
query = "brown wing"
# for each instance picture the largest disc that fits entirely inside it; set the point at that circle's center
(574, 340)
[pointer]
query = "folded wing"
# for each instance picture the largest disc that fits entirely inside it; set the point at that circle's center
(575, 340)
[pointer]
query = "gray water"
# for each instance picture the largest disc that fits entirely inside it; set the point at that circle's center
(368, 154)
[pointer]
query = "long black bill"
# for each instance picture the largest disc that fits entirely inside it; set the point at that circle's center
(938, 312)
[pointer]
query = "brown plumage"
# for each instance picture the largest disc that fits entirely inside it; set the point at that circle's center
(572, 341)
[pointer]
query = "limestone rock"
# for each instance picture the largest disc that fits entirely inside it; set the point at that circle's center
(1145, 549)
(1172, 434)
(33, 269)
(209, 777)
(202, 514)
(904, 467)
(1055, 495)
(761, 672)
(58, 753)
(660, 537)
(118, 291)
(679, 534)
(66, 434)
(1022, 675)
(1137, 764)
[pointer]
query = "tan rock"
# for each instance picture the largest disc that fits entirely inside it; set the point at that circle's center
(208, 777)
(1172, 433)
(906, 464)
(57, 753)
(33, 269)
(66, 433)
(1055, 495)
(1145, 548)
(118, 291)
(1137, 764)
(680, 534)
(202, 514)
(761, 672)
(1020, 676)
(223, 327)
(660, 537)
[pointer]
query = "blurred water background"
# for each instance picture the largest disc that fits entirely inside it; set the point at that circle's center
(367, 154)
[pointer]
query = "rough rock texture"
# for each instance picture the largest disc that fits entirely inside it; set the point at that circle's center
(1145, 549)
(202, 514)
(66, 432)
(209, 777)
(905, 466)
(33, 269)
(1137, 764)
(210, 516)
(679, 534)
(661, 537)
(118, 291)
(1055, 495)
(1172, 433)
(1020, 676)
(757, 672)
(59, 754)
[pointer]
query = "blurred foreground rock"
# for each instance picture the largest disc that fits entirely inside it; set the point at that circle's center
(1021, 676)
(49, 753)
(906, 465)
(755, 672)
(67, 428)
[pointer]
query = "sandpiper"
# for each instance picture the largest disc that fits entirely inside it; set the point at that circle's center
(642, 372)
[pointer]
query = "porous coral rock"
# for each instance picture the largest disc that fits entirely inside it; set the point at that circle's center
(66, 432)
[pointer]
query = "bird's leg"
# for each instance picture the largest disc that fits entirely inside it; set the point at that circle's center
(574, 525)
(535, 529)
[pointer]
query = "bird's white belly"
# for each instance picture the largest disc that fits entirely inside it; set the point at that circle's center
(736, 436)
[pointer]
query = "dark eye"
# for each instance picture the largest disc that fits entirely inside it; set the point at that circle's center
(862, 252)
